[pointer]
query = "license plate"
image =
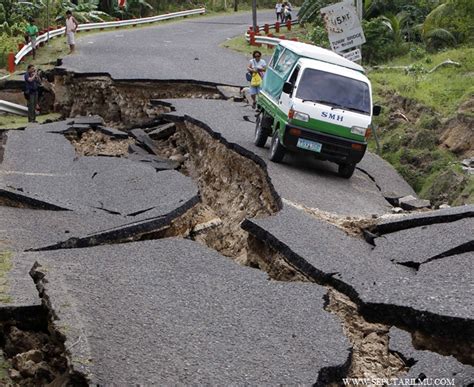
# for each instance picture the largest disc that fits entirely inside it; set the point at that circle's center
(309, 145)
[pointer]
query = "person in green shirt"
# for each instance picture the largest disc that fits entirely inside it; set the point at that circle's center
(32, 34)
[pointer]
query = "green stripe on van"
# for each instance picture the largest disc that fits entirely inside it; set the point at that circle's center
(316, 125)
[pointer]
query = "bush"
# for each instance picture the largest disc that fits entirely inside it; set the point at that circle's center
(380, 45)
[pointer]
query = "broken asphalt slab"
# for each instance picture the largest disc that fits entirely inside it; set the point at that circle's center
(44, 167)
(417, 245)
(428, 366)
(396, 223)
(429, 299)
(174, 312)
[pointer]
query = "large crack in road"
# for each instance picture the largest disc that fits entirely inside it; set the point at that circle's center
(233, 186)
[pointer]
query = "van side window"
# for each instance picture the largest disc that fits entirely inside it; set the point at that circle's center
(286, 62)
(293, 77)
(276, 56)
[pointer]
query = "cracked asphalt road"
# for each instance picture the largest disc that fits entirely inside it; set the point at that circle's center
(203, 317)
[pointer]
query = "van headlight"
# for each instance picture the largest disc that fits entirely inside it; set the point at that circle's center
(358, 130)
(293, 114)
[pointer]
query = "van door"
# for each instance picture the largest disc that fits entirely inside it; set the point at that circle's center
(286, 100)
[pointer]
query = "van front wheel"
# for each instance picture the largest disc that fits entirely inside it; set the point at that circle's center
(260, 133)
(277, 152)
(346, 170)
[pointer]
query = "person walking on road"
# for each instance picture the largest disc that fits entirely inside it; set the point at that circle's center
(256, 67)
(279, 11)
(287, 11)
(32, 82)
(71, 27)
(31, 35)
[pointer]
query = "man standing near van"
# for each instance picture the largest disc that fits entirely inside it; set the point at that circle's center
(71, 27)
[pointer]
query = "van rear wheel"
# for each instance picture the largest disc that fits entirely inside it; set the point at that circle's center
(277, 151)
(346, 170)
(260, 133)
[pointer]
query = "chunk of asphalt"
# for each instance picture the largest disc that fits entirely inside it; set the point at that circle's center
(87, 120)
(21, 302)
(435, 300)
(134, 148)
(32, 229)
(385, 292)
(115, 185)
(426, 365)
(145, 140)
(230, 92)
(112, 132)
(172, 311)
(163, 131)
(159, 163)
(32, 152)
(446, 215)
(20, 199)
(411, 203)
(384, 175)
(159, 102)
(420, 244)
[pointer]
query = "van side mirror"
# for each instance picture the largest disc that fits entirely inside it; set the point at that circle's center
(376, 110)
(287, 87)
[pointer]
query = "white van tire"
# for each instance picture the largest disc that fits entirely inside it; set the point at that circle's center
(260, 133)
(346, 170)
(277, 151)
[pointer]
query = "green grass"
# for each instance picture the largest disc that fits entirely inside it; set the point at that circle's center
(9, 121)
(443, 90)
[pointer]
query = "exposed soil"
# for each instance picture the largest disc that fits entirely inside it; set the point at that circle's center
(122, 104)
(234, 186)
(371, 357)
(93, 143)
(352, 225)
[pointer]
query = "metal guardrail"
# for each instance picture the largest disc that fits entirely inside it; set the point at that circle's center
(13, 108)
(113, 24)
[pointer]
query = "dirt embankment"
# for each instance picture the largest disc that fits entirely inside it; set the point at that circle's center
(427, 149)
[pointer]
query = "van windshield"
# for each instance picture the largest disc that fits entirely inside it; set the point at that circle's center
(334, 90)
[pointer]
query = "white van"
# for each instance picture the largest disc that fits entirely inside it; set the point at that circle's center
(315, 101)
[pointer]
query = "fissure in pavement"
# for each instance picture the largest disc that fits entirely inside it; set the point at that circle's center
(233, 185)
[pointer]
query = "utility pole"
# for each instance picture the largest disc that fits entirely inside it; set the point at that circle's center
(47, 21)
(236, 5)
(254, 15)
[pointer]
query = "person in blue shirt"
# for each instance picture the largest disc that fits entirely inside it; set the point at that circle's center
(32, 82)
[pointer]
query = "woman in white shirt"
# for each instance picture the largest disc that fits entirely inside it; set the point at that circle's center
(256, 66)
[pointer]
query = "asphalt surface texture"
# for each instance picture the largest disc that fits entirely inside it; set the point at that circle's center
(186, 50)
(174, 312)
(171, 311)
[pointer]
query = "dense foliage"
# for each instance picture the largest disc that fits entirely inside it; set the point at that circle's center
(393, 27)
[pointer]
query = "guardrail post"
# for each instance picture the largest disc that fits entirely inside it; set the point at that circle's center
(282, 37)
(257, 29)
(11, 62)
(258, 44)
(288, 25)
(294, 39)
(270, 45)
(266, 28)
(252, 38)
(277, 27)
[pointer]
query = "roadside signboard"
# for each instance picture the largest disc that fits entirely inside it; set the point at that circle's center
(353, 55)
(343, 26)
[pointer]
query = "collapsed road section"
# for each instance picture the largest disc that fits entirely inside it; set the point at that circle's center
(190, 314)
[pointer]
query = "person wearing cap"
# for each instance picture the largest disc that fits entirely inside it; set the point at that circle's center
(31, 35)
